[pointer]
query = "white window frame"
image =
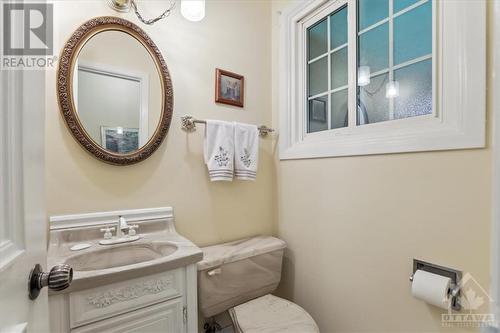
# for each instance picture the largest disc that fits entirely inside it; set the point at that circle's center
(326, 11)
(459, 88)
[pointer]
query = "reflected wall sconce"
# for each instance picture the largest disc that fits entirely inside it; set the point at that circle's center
(363, 76)
(192, 10)
(392, 89)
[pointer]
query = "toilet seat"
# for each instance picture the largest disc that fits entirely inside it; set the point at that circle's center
(271, 314)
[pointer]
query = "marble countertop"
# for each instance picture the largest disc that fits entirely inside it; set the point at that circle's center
(162, 231)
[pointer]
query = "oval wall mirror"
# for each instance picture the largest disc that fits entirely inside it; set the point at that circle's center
(114, 90)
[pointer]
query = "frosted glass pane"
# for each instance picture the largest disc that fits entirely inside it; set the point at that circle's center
(413, 34)
(339, 68)
(415, 90)
(374, 48)
(373, 106)
(318, 118)
(402, 4)
(339, 109)
(338, 33)
(318, 39)
(371, 12)
(318, 76)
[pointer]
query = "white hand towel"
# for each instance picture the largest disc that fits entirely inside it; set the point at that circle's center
(219, 150)
(246, 151)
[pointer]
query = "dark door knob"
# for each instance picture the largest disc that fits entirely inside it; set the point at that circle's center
(59, 278)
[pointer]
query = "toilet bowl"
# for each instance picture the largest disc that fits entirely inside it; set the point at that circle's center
(238, 277)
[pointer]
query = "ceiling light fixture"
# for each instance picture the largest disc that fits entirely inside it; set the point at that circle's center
(192, 10)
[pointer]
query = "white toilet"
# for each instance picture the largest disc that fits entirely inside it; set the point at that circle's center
(238, 277)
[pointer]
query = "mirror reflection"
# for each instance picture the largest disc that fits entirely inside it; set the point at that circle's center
(117, 92)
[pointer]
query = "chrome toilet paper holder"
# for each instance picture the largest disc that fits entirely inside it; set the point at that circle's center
(454, 274)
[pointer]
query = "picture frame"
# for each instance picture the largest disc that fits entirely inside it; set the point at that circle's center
(120, 139)
(229, 88)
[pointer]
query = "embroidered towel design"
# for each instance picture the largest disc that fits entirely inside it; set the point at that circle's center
(219, 150)
(222, 158)
(246, 146)
(245, 158)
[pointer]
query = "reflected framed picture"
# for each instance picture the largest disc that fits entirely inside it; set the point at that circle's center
(318, 110)
(119, 139)
(229, 88)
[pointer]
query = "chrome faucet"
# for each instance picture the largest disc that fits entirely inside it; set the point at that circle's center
(122, 226)
(121, 233)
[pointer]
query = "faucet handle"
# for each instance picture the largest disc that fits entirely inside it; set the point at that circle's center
(132, 229)
(107, 232)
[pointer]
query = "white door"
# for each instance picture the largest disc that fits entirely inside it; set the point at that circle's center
(23, 222)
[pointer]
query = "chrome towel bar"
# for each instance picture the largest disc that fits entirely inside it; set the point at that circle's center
(189, 125)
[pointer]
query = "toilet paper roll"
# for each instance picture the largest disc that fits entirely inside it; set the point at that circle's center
(431, 288)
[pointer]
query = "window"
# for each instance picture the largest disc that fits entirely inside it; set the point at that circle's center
(394, 60)
(327, 72)
(381, 76)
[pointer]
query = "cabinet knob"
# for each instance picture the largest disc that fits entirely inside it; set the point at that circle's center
(59, 278)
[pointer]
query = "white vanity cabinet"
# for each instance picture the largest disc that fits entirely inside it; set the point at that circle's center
(159, 303)
(146, 285)
(161, 317)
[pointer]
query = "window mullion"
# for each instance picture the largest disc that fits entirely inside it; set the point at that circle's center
(329, 107)
(352, 61)
(391, 55)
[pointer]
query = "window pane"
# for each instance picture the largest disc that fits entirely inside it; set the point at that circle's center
(415, 90)
(402, 4)
(374, 48)
(318, 76)
(371, 12)
(373, 106)
(318, 118)
(339, 68)
(318, 39)
(413, 34)
(339, 109)
(338, 32)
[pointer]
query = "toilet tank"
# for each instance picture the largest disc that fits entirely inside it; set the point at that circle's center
(236, 272)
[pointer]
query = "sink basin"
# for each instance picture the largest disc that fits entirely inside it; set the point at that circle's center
(120, 255)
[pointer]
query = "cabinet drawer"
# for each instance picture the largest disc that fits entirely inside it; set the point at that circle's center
(164, 317)
(110, 300)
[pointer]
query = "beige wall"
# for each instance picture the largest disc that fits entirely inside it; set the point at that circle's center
(354, 224)
(233, 36)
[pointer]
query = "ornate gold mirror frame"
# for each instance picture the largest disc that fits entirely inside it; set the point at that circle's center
(65, 91)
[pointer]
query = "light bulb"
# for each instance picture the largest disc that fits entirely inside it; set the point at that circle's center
(392, 89)
(119, 130)
(193, 10)
(363, 76)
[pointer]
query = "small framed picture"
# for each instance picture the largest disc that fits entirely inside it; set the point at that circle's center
(119, 139)
(229, 88)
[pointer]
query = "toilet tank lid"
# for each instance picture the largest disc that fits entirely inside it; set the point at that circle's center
(216, 255)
